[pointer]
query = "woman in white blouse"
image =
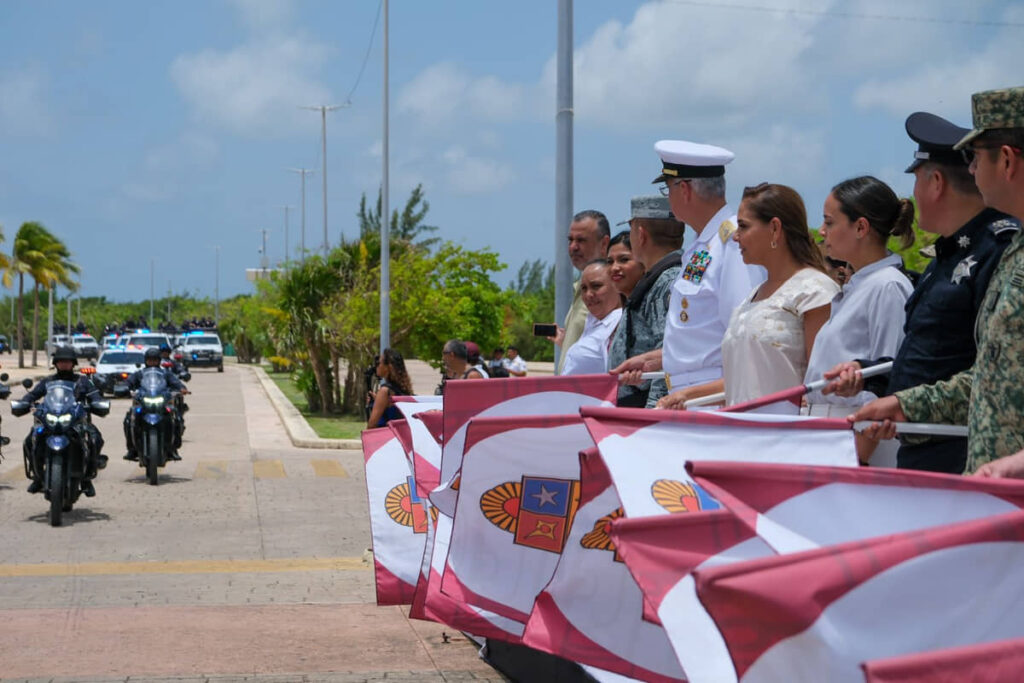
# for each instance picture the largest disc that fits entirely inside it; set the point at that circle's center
(589, 355)
(860, 216)
(771, 334)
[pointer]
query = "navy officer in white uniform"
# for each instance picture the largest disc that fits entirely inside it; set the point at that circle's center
(713, 279)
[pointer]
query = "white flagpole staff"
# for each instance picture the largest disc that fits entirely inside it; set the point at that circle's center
(880, 369)
(917, 428)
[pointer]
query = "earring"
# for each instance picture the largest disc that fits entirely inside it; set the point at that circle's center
(774, 244)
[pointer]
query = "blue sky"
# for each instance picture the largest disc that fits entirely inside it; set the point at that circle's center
(139, 130)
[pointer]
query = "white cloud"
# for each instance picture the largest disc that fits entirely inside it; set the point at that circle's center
(467, 174)
(23, 102)
(445, 92)
(264, 14)
(255, 89)
(168, 167)
(777, 154)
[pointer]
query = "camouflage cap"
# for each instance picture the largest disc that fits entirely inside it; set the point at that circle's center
(995, 109)
(650, 206)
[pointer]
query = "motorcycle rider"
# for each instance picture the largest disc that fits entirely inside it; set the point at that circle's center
(64, 360)
(166, 361)
(179, 369)
(153, 360)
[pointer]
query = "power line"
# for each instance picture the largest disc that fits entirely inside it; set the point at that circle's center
(843, 15)
(366, 57)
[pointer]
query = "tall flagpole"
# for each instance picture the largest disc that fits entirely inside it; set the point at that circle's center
(563, 164)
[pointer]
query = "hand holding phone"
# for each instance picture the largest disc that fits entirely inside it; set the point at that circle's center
(545, 329)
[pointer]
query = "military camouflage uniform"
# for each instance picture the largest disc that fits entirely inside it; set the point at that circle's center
(989, 397)
(648, 320)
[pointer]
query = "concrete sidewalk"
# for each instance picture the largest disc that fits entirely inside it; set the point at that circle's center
(425, 380)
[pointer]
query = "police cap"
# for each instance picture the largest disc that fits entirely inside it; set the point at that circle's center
(935, 137)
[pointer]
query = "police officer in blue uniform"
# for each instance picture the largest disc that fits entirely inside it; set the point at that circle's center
(939, 325)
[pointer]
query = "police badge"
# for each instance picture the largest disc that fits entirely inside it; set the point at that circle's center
(963, 270)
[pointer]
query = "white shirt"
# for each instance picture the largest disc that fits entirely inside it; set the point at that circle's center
(516, 364)
(589, 355)
(712, 283)
(764, 349)
(866, 322)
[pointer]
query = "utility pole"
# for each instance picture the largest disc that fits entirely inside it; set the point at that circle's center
(168, 301)
(263, 251)
(287, 256)
(216, 287)
(323, 109)
(303, 172)
(385, 213)
(151, 291)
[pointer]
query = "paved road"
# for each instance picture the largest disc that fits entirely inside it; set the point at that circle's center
(248, 562)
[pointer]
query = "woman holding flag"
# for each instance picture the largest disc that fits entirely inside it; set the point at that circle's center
(770, 335)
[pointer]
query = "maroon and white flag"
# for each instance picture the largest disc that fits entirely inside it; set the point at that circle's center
(426, 448)
(518, 493)
(398, 520)
(592, 610)
(997, 662)
(646, 450)
(464, 400)
(818, 615)
(796, 508)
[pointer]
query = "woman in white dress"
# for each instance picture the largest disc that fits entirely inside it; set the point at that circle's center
(589, 355)
(860, 216)
(771, 334)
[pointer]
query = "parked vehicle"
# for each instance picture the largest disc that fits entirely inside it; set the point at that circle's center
(56, 448)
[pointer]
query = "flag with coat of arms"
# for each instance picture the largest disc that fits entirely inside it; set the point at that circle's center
(592, 611)
(518, 492)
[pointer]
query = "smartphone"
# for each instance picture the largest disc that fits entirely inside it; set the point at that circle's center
(544, 330)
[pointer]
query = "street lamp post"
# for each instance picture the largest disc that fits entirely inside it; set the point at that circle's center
(216, 287)
(323, 109)
(287, 256)
(303, 172)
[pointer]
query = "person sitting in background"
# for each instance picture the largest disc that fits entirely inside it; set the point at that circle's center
(589, 355)
(394, 381)
(771, 334)
(456, 361)
(514, 363)
(626, 269)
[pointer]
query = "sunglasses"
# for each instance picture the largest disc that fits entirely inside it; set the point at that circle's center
(970, 153)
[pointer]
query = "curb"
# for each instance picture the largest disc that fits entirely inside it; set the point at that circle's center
(299, 432)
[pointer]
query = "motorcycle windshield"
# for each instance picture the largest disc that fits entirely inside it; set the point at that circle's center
(153, 382)
(60, 397)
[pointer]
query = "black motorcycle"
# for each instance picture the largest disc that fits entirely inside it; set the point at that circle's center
(154, 422)
(5, 393)
(57, 448)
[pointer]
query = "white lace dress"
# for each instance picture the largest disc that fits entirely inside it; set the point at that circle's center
(763, 350)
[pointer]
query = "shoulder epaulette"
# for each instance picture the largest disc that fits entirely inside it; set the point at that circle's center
(726, 230)
(1004, 225)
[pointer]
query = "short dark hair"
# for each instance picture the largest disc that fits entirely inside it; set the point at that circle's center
(664, 232)
(1014, 137)
(603, 229)
(957, 175)
(513, 348)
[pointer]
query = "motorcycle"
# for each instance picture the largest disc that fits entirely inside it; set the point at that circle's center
(154, 423)
(60, 451)
(5, 393)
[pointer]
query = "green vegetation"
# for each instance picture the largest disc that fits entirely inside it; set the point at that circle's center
(337, 427)
(323, 315)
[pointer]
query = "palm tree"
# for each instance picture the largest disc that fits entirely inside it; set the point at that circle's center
(40, 254)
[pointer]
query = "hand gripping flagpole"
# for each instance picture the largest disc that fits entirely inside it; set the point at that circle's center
(799, 390)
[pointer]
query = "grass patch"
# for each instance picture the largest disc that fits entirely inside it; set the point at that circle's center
(340, 427)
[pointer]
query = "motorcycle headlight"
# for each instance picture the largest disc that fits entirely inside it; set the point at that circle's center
(153, 401)
(64, 420)
(51, 419)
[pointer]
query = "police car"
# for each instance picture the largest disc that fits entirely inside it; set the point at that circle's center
(85, 346)
(202, 349)
(143, 339)
(115, 366)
